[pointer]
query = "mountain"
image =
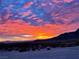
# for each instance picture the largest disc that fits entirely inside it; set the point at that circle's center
(66, 37)
(63, 40)
(71, 35)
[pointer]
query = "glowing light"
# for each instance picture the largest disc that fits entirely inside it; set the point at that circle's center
(43, 37)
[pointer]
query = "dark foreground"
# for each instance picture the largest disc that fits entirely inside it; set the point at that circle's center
(54, 53)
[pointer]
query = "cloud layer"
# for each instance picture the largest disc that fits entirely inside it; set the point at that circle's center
(37, 19)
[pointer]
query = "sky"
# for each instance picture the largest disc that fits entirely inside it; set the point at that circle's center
(23, 20)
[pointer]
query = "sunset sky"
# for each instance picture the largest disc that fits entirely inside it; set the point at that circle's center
(23, 20)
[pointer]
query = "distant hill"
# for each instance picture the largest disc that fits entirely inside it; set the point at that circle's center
(63, 40)
(65, 37)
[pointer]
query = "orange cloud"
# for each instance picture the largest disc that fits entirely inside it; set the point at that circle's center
(36, 32)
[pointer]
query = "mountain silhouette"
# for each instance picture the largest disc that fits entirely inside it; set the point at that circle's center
(66, 37)
(63, 40)
(71, 35)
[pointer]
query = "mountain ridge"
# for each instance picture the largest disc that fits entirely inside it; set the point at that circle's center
(64, 40)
